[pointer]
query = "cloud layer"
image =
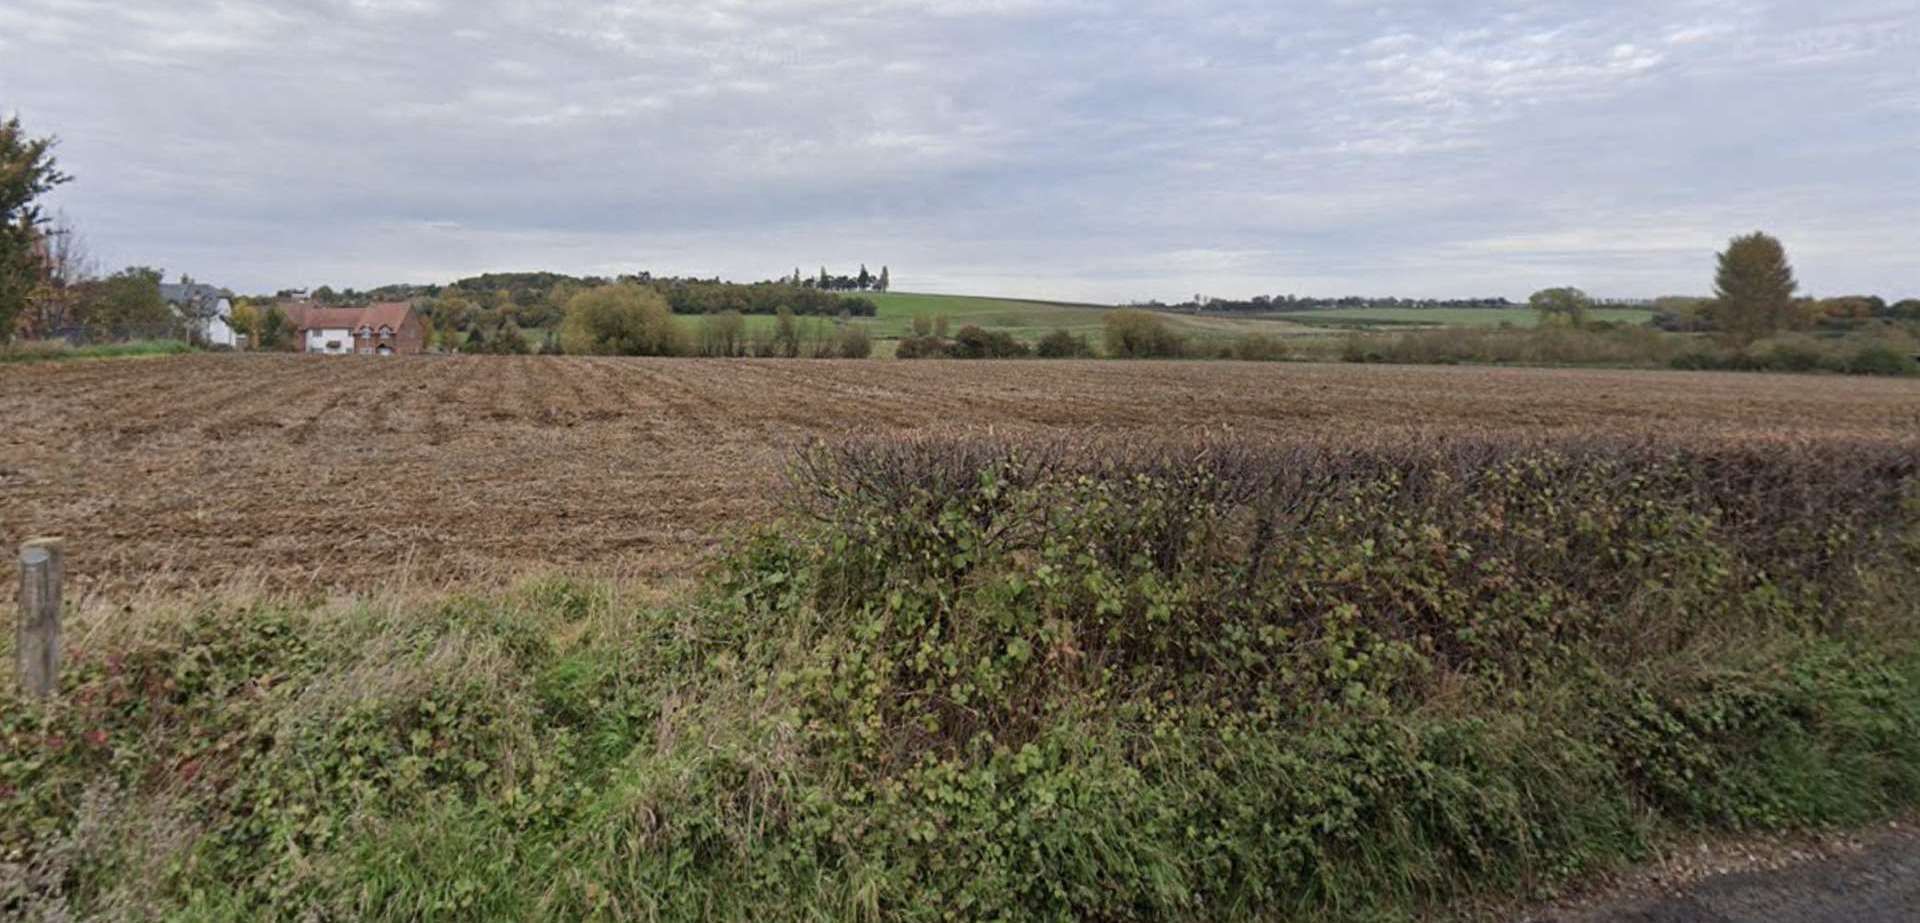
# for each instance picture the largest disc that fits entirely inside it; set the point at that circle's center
(1094, 149)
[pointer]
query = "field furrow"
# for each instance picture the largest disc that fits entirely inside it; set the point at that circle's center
(324, 474)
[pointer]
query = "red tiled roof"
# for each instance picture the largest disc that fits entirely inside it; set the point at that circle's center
(389, 314)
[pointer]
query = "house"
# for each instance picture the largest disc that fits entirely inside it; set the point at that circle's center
(207, 314)
(385, 329)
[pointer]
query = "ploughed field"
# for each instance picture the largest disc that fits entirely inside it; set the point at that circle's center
(308, 473)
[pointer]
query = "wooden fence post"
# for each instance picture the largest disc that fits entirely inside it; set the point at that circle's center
(38, 644)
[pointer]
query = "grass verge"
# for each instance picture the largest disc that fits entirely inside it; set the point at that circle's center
(54, 350)
(985, 680)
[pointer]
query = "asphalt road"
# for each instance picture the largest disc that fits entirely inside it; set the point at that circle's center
(1878, 884)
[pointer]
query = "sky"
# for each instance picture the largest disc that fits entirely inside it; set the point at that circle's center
(1099, 150)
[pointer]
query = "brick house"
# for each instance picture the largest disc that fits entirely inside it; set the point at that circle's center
(385, 329)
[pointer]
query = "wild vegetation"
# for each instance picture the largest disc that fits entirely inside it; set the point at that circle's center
(1029, 679)
(45, 350)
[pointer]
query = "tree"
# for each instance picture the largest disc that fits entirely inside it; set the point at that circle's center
(1565, 306)
(127, 305)
(1753, 290)
(65, 267)
(509, 341)
(27, 172)
(619, 320)
(276, 330)
(1853, 307)
(865, 279)
(886, 281)
(246, 320)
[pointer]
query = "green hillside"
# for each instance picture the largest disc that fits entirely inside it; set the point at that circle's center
(1444, 317)
(1029, 319)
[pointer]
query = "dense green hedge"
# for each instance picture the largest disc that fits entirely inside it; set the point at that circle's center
(973, 680)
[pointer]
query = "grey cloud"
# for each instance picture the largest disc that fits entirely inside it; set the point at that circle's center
(1070, 148)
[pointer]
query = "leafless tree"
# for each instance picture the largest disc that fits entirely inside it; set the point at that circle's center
(66, 265)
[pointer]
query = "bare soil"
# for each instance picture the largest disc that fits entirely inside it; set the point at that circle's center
(347, 474)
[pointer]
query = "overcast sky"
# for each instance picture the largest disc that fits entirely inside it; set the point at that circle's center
(1090, 149)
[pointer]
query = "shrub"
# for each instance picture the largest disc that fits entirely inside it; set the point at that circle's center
(1881, 360)
(1064, 344)
(853, 342)
(977, 343)
(1259, 347)
(917, 347)
(1135, 334)
(723, 334)
(619, 320)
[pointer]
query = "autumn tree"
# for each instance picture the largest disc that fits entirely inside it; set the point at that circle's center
(246, 320)
(64, 269)
(619, 320)
(1753, 290)
(27, 171)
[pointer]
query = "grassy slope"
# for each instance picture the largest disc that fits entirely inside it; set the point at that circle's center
(1029, 320)
(1447, 317)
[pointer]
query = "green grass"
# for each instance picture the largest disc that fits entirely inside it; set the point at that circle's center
(56, 350)
(1029, 320)
(1445, 317)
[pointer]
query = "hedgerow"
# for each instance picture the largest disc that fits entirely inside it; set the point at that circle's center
(981, 679)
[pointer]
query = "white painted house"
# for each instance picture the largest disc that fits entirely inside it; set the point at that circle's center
(332, 341)
(207, 313)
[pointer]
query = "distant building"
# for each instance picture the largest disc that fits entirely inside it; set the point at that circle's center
(207, 313)
(387, 329)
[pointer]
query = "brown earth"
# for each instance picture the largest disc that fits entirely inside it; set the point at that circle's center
(346, 474)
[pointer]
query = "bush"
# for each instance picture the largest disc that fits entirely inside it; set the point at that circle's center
(977, 343)
(853, 342)
(1134, 334)
(1881, 360)
(619, 320)
(723, 335)
(919, 347)
(1064, 344)
(1259, 347)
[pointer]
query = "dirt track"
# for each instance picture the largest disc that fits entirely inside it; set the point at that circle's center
(339, 474)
